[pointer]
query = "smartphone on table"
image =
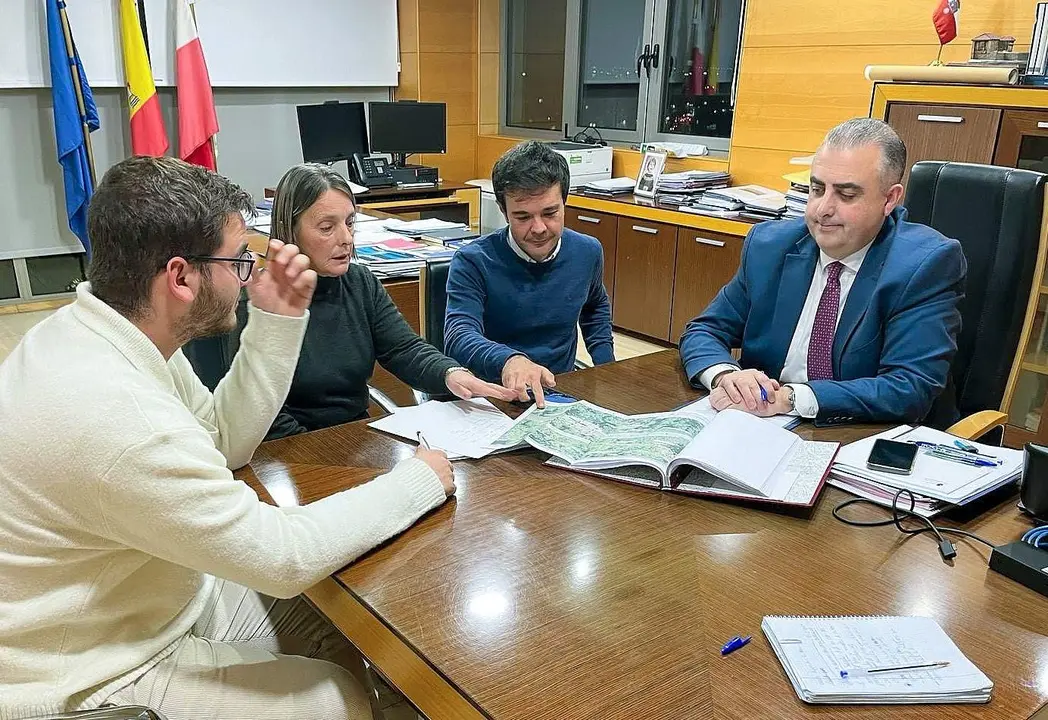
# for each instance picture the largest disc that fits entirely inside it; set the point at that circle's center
(892, 456)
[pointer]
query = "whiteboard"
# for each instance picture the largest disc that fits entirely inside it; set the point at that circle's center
(305, 43)
(247, 43)
(96, 31)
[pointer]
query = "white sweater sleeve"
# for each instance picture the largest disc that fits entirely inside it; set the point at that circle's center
(251, 394)
(171, 496)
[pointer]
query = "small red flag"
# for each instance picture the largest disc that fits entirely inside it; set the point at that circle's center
(945, 19)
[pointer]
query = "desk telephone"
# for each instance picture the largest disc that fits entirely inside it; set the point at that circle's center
(372, 171)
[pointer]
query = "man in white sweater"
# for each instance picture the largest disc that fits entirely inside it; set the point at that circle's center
(133, 567)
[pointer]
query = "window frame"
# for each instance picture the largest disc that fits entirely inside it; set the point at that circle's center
(649, 91)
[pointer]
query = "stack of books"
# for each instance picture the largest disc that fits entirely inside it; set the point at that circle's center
(754, 203)
(683, 188)
(797, 200)
(938, 483)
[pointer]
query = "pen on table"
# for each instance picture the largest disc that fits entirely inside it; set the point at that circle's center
(422, 441)
(948, 452)
(898, 668)
(735, 643)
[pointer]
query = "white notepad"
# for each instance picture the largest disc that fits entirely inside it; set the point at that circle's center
(814, 650)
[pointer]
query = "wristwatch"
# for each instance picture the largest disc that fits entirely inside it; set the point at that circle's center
(792, 397)
(455, 369)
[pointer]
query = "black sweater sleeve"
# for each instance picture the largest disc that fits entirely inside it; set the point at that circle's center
(399, 349)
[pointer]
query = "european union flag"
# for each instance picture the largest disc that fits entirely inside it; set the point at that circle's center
(69, 121)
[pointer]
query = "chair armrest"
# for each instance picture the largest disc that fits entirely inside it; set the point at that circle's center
(978, 424)
(382, 399)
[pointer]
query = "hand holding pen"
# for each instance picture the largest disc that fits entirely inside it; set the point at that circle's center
(438, 463)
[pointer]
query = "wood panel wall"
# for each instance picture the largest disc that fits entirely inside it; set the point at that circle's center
(439, 63)
(803, 60)
(801, 72)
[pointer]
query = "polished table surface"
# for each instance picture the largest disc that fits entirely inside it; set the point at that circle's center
(539, 593)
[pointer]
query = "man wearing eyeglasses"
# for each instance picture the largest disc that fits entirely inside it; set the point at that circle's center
(134, 568)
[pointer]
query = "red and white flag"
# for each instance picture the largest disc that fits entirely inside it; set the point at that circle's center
(197, 121)
(945, 19)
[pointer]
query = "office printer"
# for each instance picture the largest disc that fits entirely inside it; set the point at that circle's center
(586, 162)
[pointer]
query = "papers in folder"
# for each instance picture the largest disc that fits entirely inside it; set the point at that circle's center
(814, 650)
(938, 484)
(462, 429)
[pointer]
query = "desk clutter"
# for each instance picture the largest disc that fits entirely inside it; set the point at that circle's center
(879, 660)
(691, 450)
(938, 482)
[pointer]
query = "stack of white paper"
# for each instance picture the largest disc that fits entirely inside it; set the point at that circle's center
(938, 483)
(421, 227)
(462, 429)
(859, 660)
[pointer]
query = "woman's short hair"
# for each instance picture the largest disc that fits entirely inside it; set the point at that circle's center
(301, 186)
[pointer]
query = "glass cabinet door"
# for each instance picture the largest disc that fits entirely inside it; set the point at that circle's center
(611, 61)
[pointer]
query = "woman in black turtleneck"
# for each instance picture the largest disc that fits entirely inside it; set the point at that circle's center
(352, 320)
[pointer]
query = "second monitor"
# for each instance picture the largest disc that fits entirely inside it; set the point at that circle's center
(407, 128)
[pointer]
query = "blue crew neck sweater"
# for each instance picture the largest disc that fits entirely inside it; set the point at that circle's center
(500, 305)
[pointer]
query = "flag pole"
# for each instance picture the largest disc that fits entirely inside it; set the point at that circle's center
(77, 80)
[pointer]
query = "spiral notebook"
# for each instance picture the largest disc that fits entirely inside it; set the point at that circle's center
(828, 660)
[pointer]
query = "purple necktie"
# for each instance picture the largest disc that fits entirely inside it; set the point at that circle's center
(820, 347)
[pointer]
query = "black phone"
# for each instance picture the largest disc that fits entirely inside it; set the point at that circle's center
(372, 170)
(892, 456)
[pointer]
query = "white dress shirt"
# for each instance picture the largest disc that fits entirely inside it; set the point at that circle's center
(795, 369)
(527, 258)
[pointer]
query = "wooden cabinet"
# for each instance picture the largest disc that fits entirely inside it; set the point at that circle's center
(945, 132)
(645, 256)
(604, 227)
(1023, 141)
(705, 263)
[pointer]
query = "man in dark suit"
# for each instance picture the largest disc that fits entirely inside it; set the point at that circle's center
(849, 316)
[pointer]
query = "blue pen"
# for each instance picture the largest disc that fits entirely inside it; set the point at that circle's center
(764, 393)
(735, 643)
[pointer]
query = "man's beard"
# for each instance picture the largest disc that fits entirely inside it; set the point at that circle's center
(209, 315)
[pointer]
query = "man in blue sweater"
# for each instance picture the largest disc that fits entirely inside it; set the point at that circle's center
(516, 296)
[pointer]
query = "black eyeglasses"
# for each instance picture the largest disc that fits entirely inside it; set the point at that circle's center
(244, 263)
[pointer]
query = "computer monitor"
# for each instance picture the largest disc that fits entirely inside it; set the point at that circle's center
(406, 128)
(332, 131)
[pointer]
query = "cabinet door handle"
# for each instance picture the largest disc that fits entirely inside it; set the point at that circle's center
(941, 118)
(587, 218)
(1042, 125)
(641, 228)
(708, 241)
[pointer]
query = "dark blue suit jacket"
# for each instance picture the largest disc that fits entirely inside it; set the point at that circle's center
(896, 337)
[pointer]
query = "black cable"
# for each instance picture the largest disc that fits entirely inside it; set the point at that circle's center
(946, 548)
(583, 136)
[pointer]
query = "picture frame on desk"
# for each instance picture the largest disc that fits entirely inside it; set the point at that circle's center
(651, 168)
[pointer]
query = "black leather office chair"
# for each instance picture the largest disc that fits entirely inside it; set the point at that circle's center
(433, 300)
(209, 357)
(997, 214)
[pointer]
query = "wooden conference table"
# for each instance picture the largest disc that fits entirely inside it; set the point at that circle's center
(539, 593)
